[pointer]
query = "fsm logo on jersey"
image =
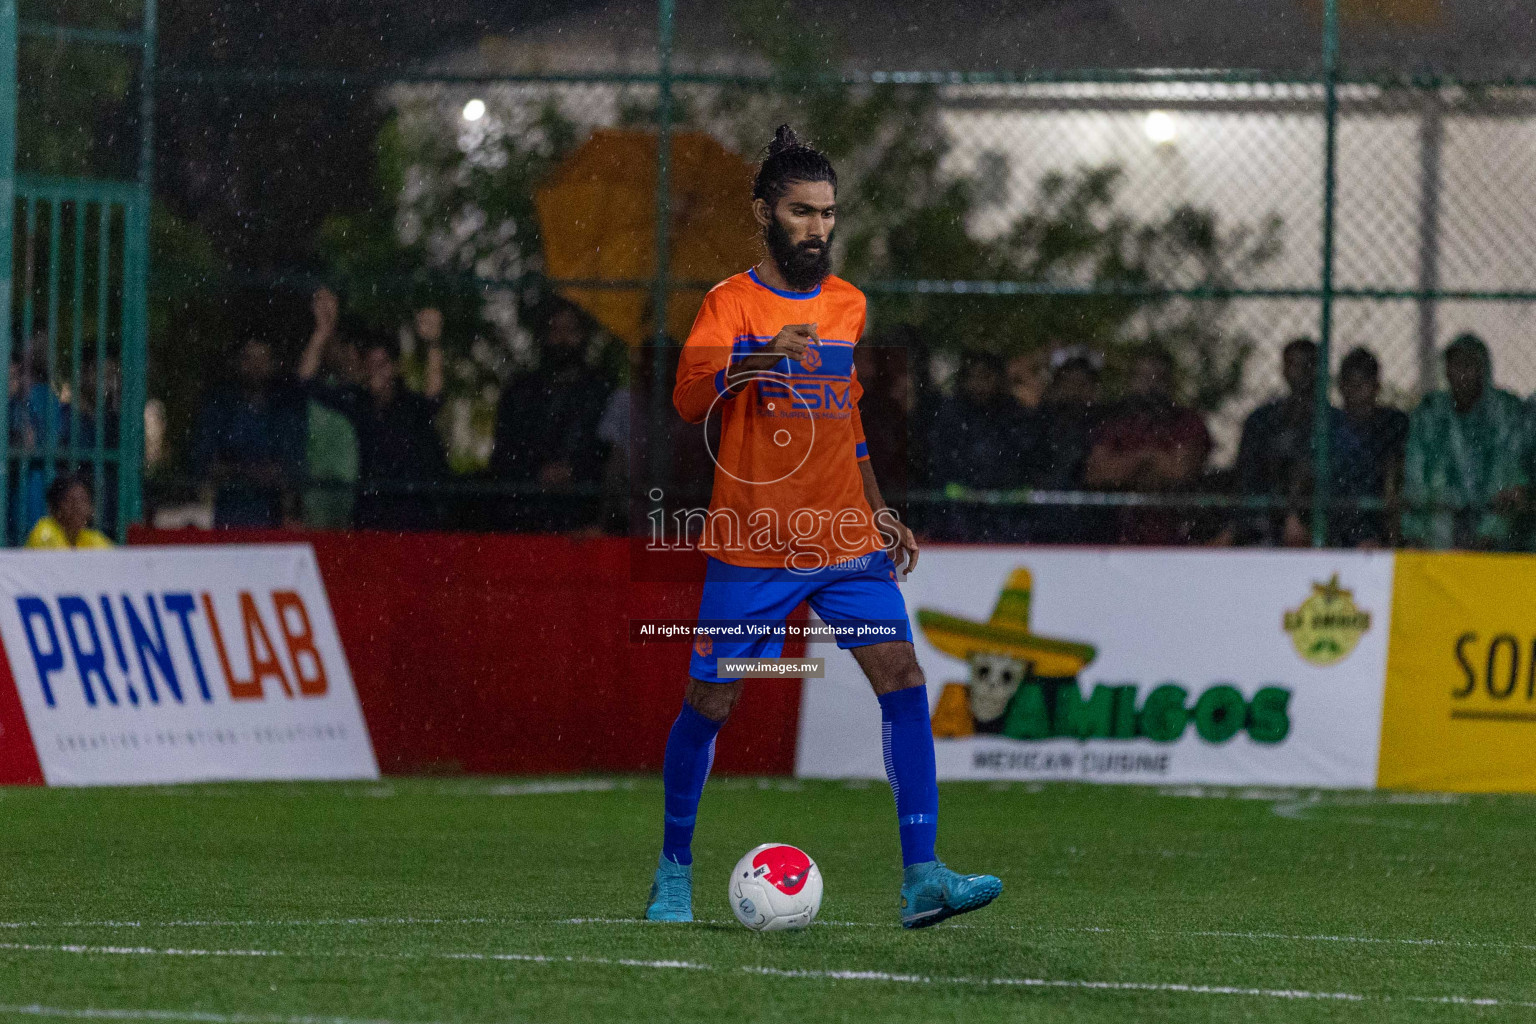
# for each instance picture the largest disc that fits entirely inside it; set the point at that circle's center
(180, 664)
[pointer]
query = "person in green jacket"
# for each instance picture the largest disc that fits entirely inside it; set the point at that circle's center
(1464, 475)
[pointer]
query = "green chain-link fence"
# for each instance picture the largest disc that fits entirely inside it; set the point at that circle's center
(1221, 214)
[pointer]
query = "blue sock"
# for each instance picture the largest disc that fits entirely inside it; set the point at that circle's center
(690, 753)
(908, 740)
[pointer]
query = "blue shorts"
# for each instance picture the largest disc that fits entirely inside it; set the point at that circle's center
(858, 598)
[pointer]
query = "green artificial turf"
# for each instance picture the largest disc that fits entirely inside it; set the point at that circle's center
(425, 900)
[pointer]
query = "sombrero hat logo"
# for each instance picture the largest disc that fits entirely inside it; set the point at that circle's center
(1007, 633)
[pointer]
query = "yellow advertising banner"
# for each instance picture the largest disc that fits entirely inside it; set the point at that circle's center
(1460, 704)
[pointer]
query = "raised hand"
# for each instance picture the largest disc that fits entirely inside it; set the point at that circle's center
(326, 309)
(429, 325)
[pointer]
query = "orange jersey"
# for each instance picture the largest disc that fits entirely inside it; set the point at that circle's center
(788, 491)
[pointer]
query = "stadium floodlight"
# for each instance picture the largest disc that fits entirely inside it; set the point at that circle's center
(1161, 127)
(474, 110)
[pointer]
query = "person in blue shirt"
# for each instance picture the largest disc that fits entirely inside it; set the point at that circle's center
(249, 443)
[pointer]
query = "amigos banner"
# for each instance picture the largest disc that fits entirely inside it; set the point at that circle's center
(1216, 667)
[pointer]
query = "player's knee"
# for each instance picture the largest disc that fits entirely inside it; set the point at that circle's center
(712, 700)
(909, 675)
(902, 674)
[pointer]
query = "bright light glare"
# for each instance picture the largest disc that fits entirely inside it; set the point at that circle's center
(474, 110)
(1161, 128)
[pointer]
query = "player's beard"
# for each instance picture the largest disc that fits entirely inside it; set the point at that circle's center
(804, 266)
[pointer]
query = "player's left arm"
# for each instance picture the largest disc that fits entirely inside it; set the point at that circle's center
(899, 540)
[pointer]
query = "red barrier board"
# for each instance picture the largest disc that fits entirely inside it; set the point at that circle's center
(18, 755)
(511, 653)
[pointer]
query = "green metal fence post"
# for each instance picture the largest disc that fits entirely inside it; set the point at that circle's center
(1431, 148)
(660, 410)
(7, 222)
(50, 410)
(135, 334)
(1321, 441)
(103, 313)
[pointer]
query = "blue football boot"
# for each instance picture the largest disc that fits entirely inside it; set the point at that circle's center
(931, 893)
(671, 892)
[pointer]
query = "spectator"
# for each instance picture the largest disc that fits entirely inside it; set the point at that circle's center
(546, 427)
(1369, 463)
(1464, 471)
(68, 522)
(614, 429)
(887, 401)
(399, 452)
(105, 417)
(38, 420)
(1069, 415)
(979, 438)
(1274, 456)
(1151, 445)
(1029, 374)
(249, 443)
(332, 455)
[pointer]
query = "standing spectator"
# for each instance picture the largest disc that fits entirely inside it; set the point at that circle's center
(68, 522)
(546, 427)
(614, 429)
(105, 418)
(1464, 473)
(38, 417)
(399, 452)
(249, 443)
(1274, 456)
(1370, 462)
(1151, 445)
(332, 455)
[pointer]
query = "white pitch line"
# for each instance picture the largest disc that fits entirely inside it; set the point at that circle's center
(29, 947)
(1253, 936)
(532, 958)
(1282, 937)
(1050, 930)
(197, 1016)
(302, 923)
(1111, 986)
(778, 972)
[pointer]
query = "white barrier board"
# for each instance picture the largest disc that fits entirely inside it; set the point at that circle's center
(149, 665)
(1132, 666)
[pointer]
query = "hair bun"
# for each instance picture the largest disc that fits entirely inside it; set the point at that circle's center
(784, 139)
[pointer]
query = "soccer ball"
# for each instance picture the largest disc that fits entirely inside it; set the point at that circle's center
(775, 888)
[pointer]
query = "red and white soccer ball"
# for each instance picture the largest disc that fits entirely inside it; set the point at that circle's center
(776, 888)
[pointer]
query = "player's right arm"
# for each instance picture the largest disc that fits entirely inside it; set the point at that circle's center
(706, 371)
(792, 341)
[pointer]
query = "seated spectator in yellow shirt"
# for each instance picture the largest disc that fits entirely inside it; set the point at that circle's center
(68, 522)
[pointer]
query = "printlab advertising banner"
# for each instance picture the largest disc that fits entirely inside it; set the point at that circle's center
(150, 665)
(1215, 667)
